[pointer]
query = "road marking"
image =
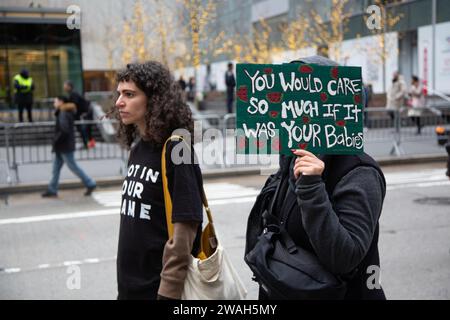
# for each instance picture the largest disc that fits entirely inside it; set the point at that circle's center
(71, 263)
(57, 265)
(422, 179)
(418, 185)
(61, 216)
(224, 192)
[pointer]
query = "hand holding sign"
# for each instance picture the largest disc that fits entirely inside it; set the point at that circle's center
(307, 164)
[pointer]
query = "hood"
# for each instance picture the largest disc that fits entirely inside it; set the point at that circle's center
(322, 61)
(24, 73)
(69, 106)
(319, 60)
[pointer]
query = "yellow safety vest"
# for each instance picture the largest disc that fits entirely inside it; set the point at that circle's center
(24, 82)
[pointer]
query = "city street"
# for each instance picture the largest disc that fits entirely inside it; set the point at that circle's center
(42, 239)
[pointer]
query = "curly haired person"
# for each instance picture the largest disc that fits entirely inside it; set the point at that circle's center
(149, 107)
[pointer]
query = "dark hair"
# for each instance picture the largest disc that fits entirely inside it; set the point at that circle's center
(69, 83)
(166, 108)
(415, 78)
(230, 64)
(62, 98)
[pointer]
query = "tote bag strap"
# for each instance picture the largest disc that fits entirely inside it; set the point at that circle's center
(167, 197)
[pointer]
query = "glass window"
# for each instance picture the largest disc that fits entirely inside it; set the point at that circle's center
(51, 53)
(4, 81)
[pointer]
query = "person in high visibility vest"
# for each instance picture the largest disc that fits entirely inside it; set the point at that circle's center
(24, 86)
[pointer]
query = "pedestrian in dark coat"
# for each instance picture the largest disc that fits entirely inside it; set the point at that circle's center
(64, 148)
(230, 81)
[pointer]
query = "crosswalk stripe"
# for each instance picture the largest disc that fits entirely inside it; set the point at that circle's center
(59, 216)
(214, 191)
(57, 265)
(227, 193)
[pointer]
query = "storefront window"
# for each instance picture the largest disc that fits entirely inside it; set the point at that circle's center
(51, 54)
(4, 82)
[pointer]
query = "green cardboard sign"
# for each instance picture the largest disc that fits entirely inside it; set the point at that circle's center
(298, 106)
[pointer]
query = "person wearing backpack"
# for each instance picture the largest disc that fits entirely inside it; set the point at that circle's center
(327, 208)
(84, 112)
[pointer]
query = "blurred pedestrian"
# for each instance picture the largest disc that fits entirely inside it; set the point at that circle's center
(447, 148)
(84, 112)
(417, 102)
(183, 86)
(396, 95)
(208, 83)
(149, 108)
(182, 83)
(64, 147)
(367, 102)
(191, 89)
(24, 86)
(230, 82)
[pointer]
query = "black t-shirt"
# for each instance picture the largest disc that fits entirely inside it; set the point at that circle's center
(143, 227)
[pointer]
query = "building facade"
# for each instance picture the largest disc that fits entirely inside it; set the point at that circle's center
(35, 34)
(38, 40)
(408, 44)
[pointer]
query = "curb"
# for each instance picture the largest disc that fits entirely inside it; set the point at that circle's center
(118, 180)
(208, 174)
(415, 159)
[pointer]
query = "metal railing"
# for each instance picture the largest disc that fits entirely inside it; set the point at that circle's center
(31, 143)
(397, 126)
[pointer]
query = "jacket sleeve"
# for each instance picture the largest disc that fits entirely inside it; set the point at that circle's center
(176, 258)
(18, 86)
(63, 129)
(341, 230)
(64, 123)
(416, 91)
(402, 91)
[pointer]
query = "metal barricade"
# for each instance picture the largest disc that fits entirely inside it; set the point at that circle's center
(405, 125)
(229, 122)
(31, 143)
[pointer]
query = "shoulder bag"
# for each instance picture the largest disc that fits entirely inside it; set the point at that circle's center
(210, 275)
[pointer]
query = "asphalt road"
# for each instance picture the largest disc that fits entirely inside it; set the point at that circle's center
(65, 248)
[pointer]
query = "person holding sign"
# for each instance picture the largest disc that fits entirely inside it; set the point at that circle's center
(150, 106)
(329, 206)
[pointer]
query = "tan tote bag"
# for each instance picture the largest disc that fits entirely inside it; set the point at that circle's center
(210, 275)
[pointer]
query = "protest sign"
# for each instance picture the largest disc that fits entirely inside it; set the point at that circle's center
(299, 106)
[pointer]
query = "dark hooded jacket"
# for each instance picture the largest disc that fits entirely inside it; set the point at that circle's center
(64, 140)
(334, 215)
